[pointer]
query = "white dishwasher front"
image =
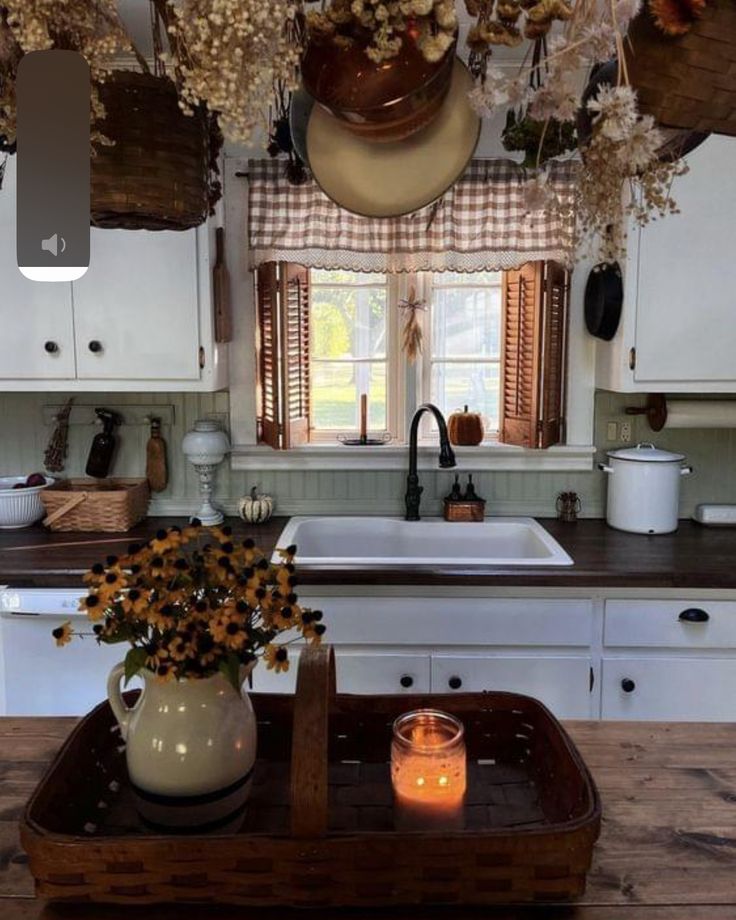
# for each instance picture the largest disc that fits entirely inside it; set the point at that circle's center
(36, 677)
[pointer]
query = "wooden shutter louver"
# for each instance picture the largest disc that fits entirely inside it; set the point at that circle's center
(267, 299)
(534, 327)
(294, 281)
(283, 354)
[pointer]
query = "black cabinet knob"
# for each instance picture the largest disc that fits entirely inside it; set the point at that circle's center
(628, 685)
(694, 615)
(407, 681)
(51, 348)
(95, 347)
(455, 683)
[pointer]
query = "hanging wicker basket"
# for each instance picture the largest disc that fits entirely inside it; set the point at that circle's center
(689, 81)
(157, 174)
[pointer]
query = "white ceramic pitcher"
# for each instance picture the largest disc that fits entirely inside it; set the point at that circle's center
(190, 749)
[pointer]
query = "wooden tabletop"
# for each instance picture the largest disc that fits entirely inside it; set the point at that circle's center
(667, 849)
(692, 557)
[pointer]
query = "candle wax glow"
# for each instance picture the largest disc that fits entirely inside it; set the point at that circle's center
(428, 773)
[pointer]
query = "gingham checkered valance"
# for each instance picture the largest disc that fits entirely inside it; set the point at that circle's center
(481, 224)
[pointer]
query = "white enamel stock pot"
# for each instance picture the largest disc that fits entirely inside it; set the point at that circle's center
(644, 488)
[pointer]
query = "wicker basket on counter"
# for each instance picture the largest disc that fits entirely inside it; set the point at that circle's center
(107, 505)
(687, 81)
(319, 828)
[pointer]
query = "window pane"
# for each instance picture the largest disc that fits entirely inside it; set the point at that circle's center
(320, 276)
(471, 279)
(466, 322)
(473, 385)
(336, 390)
(348, 322)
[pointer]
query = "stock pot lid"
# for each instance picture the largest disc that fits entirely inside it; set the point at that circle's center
(646, 453)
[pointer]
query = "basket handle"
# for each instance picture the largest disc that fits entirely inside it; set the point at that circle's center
(315, 689)
(65, 508)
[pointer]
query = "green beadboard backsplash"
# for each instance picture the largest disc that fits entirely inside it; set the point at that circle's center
(24, 437)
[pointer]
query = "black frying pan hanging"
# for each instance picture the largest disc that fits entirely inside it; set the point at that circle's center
(604, 296)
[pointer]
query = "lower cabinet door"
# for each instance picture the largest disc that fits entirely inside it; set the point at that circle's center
(670, 689)
(357, 673)
(561, 683)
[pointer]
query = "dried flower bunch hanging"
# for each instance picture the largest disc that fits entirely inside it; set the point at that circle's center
(431, 23)
(91, 27)
(231, 53)
(193, 601)
(621, 171)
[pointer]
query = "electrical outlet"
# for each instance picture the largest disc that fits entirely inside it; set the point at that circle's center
(626, 432)
(612, 431)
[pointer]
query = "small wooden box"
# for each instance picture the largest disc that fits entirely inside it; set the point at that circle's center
(465, 511)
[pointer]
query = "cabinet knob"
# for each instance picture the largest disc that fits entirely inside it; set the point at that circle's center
(694, 615)
(407, 681)
(51, 348)
(455, 683)
(628, 685)
(95, 347)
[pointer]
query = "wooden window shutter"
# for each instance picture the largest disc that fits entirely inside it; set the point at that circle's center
(534, 325)
(294, 281)
(268, 328)
(282, 302)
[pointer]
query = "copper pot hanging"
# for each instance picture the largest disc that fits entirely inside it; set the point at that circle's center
(381, 102)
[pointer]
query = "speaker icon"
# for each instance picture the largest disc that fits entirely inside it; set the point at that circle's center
(52, 244)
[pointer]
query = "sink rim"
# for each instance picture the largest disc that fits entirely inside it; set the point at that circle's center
(558, 556)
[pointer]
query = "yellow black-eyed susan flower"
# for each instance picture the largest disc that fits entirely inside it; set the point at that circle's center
(276, 658)
(165, 672)
(63, 634)
(155, 656)
(166, 540)
(134, 603)
(95, 574)
(92, 605)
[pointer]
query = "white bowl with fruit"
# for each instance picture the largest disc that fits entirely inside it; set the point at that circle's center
(20, 500)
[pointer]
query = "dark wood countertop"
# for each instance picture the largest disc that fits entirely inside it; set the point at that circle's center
(693, 557)
(666, 852)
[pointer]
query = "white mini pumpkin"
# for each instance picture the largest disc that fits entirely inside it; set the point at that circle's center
(256, 508)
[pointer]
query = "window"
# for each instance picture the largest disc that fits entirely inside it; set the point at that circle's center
(462, 353)
(349, 352)
(494, 341)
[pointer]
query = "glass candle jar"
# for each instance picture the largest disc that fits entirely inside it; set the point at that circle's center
(428, 771)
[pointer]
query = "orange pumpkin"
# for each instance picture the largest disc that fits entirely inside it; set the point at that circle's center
(465, 428)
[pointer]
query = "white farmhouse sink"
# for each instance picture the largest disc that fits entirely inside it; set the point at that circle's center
(374, 541)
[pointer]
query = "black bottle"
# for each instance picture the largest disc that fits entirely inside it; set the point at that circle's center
(103, 445)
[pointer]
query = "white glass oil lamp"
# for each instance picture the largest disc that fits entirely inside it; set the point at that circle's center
(205, 447)
(428, 771)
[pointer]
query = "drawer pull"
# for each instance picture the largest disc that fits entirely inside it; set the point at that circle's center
(455, 683)
(95, 347)
(51, 348)
(694, 615)
(628, 685)
(407, 681)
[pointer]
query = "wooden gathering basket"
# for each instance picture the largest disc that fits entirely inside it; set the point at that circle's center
(319, 829)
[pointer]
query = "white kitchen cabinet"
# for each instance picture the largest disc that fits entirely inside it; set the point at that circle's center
(687, 624)
(357, 672)
(140, 319)
(136, 310)
(677, 333)
(561, 683)
(669, 689)
(36, 325)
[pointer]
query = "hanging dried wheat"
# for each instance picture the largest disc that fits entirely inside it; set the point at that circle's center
(412, 336)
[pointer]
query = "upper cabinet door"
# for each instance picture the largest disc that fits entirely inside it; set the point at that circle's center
(686, 299)
(136, 310)
(36, 328)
